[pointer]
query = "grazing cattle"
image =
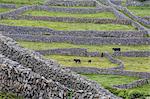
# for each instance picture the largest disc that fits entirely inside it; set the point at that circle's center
(116, 49)
(102, 55)
(89, 61)
(77, 60)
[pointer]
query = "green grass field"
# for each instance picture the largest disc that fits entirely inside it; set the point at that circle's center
(140, 64)
(140, 11)
(77, 15)
(67, 26)
(109, 80)
(67, 61)
(4, 10)
(99, 48)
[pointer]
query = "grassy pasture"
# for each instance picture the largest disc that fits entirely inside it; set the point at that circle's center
(67, 61)
(140, 11)
(4, 10)
(99, 48)
(108, 80)
(140, 64)
(62, 14)
(67, 26)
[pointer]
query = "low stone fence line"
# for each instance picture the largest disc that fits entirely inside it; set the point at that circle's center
(132, 54)
(126, 11)
(17, 11)
(69, 3)
(115, 61)
(134, 84)
(18, 29)
(82, 40)
(21, 10)
(49, 70)
(91, 70)
(69, 51)
(12, 6)
(47, 31)
(72, 19)
(146, 18)
(74, 10)
(117, 2)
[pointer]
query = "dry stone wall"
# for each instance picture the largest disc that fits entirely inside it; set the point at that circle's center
(134, 84)
(47, 31)
(69, 51)
(91, 70)
(82, 40)
(29, 59)
(12, 6)
(24, 82)
(115, 61)
(72, 19)
(133, 54)
(68, 3)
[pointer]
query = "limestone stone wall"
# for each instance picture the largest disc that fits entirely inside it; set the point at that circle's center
(72, 19)
(137, 83)
(12, 6)
(92, 70)
(69, 51)
(68, 3)
(49, 69)
(47, 31)
(82, 40)
(133, 54)
(115, 61)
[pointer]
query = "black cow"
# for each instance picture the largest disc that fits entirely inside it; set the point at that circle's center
(89, 61)
(102, 55)
(116, 49)
(77, 60)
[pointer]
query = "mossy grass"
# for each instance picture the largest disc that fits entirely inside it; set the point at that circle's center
(139, 64)
(140, 10)
(67, 26)
(99, 48)
(109, 80)
(77, 15)
(67, 61)
(4, 10)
